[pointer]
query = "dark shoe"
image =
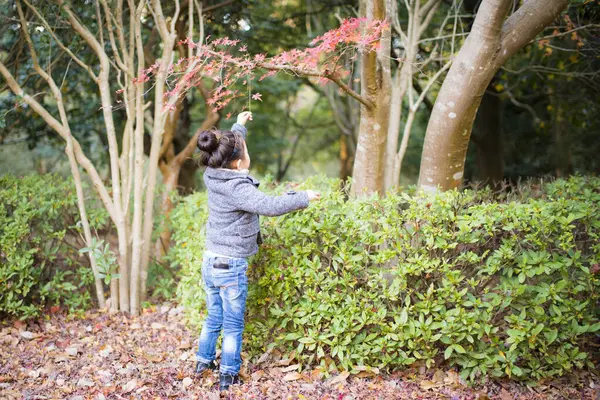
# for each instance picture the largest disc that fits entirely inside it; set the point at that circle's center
(226, 380)
(201, 367)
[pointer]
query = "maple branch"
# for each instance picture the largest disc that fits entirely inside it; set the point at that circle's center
(327, 75)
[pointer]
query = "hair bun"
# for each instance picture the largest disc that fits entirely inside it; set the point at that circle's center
(207, 141)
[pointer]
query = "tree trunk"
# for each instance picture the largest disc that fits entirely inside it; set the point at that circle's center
(170, 174)
(488, 127)
(367, 174)
(491, 42)
(398, 92)
(346, 158)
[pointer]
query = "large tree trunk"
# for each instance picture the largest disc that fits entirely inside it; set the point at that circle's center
(367, 174)
(491, 42)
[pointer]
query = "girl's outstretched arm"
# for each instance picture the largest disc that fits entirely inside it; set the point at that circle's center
(246, 197)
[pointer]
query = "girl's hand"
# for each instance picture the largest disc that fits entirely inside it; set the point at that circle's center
(312, 195)
(244, 117)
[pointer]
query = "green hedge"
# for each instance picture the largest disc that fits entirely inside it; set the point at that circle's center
(38, 228)
(503, 286)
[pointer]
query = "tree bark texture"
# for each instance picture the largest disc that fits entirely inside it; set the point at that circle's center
(369, 163)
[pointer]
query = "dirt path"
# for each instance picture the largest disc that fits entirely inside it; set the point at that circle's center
(151, 357)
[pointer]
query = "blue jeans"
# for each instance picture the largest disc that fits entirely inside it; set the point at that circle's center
(226, 292)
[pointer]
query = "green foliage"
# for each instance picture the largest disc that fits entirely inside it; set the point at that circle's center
(106, 261)
(495, 288)
(39, 264)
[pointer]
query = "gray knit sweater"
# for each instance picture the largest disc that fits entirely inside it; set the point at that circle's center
(234, 203)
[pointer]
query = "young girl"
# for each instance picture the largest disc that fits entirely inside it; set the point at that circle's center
(232, 235)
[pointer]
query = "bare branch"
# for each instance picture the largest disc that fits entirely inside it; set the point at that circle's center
(59, 42)
(427, 20)
(100, 24)
(589, 26)
(113, 44)
(433, 80)
(522, 105)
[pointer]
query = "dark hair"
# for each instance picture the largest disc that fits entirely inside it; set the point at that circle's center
(219, 148)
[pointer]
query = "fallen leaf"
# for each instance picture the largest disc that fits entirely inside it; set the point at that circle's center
(27, 335)
(428, 385)
(156, 325)
(84, 382)
(291, 368)
(292, 376)
(263, 357)
(106, 351)
(72, 351)
(33, 374)
(129, 386)
(257, 375)
(505, 395)
(439, 376)
(153, 358)
(184, 346)
(340, 378)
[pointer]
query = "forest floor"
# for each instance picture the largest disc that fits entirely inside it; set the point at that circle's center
(102, 356)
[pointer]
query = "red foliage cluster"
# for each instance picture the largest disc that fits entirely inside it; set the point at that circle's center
(226, 64)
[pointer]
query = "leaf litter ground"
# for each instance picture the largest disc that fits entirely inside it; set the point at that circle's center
(103, 356)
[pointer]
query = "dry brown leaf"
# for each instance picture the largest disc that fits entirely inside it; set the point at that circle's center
(505, 395)
(184, 346)
(284, 362)
(153, 357)
(291, 368)
(187, 382)
(452, 378)
(129, 386)
(264, 357)
(257, 375)
(292, 376)
(340, 378)
(439, 376)
(428, 385)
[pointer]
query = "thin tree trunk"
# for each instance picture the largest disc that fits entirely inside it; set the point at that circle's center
(398, 92)
(346, 158)
(367, 174)
(68, 150)
(491, 42)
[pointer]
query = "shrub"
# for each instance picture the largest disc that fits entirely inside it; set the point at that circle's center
(501, 288)
(39, 262)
